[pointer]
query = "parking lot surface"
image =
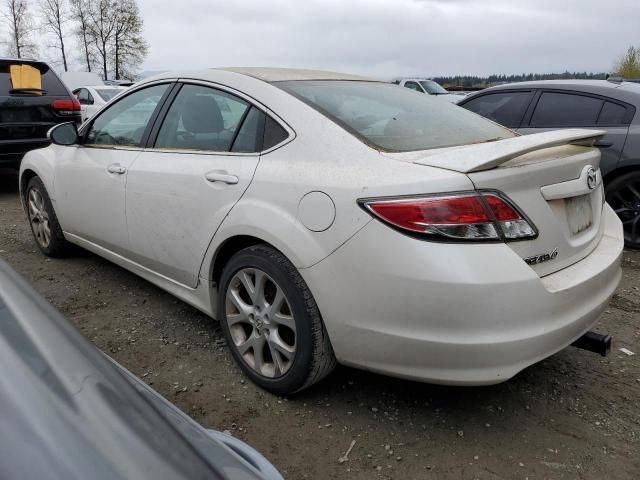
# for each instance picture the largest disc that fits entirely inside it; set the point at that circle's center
(574, 415)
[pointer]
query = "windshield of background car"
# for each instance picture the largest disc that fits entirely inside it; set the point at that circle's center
(26, 78)
(392, 118)
(108, 93)
(433, 88)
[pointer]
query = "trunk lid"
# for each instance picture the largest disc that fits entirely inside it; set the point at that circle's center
(553, 178)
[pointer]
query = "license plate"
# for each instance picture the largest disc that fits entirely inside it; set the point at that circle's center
(579, 213)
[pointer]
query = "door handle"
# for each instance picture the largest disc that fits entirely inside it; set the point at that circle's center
(116, 168)
(603, 144)
(223, 177)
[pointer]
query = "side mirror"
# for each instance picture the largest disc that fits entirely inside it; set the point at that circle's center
(64, 134)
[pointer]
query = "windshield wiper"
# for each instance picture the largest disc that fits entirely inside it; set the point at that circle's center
(28, 90)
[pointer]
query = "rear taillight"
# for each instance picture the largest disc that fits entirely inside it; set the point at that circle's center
(69, 106)
(463, 216)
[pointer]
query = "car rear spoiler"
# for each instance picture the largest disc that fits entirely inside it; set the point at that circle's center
(485, 156)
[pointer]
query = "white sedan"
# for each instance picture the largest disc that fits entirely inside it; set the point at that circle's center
(326, 218)
(93, 98)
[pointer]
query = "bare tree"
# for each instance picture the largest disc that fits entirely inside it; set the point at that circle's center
(54, 18)
(129, 46)
(103, 20)
(80, 15)
(17, 17)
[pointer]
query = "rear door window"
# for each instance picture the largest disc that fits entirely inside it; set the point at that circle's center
(203, 118)
(612, 114)
(555, 109)
(505, 108)
(27, 75)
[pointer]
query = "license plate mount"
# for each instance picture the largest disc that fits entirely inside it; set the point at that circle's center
(579, 213)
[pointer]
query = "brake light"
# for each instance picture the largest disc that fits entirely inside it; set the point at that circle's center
(69, 106)
(465, 216)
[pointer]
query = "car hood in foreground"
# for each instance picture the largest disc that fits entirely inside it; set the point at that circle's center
(67, 412)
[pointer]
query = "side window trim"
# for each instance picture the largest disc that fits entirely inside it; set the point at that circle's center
(86, 127)
(630, 109)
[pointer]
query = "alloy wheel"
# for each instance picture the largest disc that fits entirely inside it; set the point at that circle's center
(261, 322)
(39, 218)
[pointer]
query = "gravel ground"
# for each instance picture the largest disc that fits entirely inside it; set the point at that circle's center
(574, 415)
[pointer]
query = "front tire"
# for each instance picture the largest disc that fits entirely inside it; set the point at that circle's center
(272, 323)
(623, 195)
(43, 220)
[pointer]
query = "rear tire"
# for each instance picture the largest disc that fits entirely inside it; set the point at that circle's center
(272, 323)
(623, 195)
(43, 220)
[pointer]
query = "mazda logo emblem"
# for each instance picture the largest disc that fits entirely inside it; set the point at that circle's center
(592, 178)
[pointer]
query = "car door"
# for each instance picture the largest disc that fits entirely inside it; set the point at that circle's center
(567, 109)
(89, 178)
(201, 158)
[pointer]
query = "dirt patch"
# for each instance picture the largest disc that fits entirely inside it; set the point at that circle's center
(574, 415)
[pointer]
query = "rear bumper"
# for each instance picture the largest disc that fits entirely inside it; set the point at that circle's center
(456, 314)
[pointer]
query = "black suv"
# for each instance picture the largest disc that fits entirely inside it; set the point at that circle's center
(32, 100)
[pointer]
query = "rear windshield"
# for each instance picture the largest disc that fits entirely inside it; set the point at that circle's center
(108, 93)
(392, 118)
(27, 78)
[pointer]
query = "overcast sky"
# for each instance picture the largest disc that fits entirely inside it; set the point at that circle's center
(388, 38)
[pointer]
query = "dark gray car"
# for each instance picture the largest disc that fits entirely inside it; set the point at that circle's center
(69, 412)
(533, 107)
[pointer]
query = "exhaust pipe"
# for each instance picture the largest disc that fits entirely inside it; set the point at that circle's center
(594, 342)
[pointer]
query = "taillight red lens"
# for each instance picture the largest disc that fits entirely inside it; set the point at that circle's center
(501, 210)
(66, 106)
(466, 216)
(415, 213)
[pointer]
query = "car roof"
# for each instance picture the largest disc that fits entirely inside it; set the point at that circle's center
(627, 91)
(264, 74)
(269, 74)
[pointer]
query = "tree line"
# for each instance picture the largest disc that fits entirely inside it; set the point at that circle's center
(471, 81)
(107, 33)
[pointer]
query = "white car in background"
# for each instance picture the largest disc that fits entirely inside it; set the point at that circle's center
(323, 217)
(93, 98)
(425, 85)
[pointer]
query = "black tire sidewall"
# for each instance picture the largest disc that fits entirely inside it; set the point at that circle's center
(299, 371)
(615, 186)
(57, 242)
